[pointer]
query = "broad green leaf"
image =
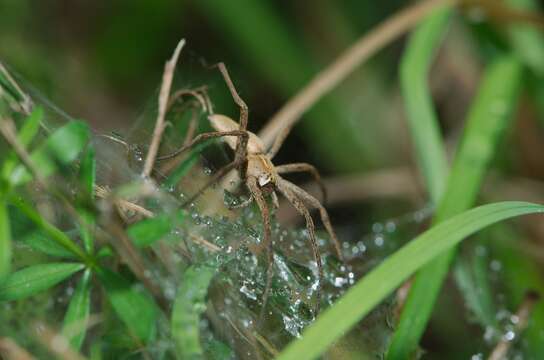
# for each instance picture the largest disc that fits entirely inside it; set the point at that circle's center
(39, 241)
(134, 307)
(33, 279)
(52, 231)
(374, 287)
(5, 240)
(87, 179)
(74, 326)
(25, 136)
(188, 306)
(60, 149)
(488, 117)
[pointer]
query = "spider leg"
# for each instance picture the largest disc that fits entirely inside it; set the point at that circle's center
(304, 167)
(305, 196)
(275, 200)
(241, 146)
(243, 204)
(257, 194)
(203, 137)
(301, 208)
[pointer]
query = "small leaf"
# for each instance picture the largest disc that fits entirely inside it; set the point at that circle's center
(135, 308)
(60, 149)
(42, 243)
(75, 321)
(188, 306)
(5, 240)
(375, 286)
(34, 279)
(146, 232)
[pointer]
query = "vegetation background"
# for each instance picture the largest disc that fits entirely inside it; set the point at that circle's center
(102, 62)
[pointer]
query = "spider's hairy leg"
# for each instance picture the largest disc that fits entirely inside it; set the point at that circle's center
(203, 137)
(305, 167)
(241, 146)
(257, 194)
(301, 208)
(305, 196)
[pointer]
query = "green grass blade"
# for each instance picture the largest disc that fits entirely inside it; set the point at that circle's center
(422, 119)
(87, 179)
(25, 136)
(33, 279)
(52, 231)
(135, 308)
(60, 149)
(74, 326)
(188, 306)
(5, 240)
(374, 287)
(489, 115)
(527, 40)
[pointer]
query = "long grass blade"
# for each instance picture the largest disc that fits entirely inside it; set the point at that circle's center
(381, 281)
(489, 116)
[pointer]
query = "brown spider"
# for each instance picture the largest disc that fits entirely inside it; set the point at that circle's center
(261, 177)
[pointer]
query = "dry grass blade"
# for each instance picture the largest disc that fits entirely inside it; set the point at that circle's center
(363, 49)
(26, 103)
(164, 94)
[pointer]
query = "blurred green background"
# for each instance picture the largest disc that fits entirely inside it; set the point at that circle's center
(102, 61)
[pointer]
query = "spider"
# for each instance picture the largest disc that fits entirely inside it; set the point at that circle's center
(261, 177)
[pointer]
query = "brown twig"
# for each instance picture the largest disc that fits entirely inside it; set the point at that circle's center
(359, 52)
(10, 350)
(164, 94)
(522, 318)
(26, 104)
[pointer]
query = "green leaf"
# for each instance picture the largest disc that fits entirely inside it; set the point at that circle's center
(146, 232)
(134, 307)
(52, 231)
(25, 136)
(374, 287)
(34, 279)
(488, 117)
(60, 149)
(5, 240)
(87, 178)
(87, 171)
(39, 241)
(188, 306)
(75, 321)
